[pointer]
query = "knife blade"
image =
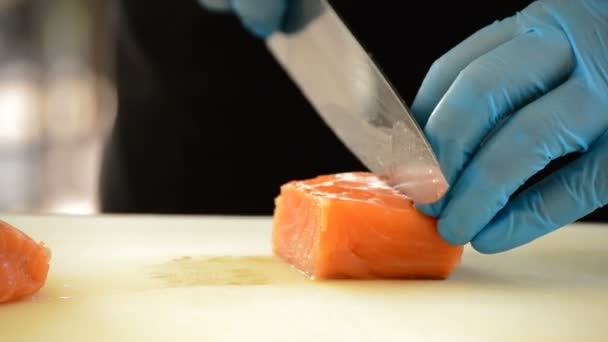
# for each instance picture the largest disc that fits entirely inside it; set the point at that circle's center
(354, 98)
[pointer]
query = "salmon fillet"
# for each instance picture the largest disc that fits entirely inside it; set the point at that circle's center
(24, 264)
(354, 225)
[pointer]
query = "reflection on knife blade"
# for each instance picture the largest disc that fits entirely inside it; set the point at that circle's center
(350, 93)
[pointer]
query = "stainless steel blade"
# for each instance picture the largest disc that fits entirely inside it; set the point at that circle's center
(356, 101)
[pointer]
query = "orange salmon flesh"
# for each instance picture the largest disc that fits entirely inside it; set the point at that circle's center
(24, 264)
(353, 225)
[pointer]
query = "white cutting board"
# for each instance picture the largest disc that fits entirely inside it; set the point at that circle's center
(135, 278)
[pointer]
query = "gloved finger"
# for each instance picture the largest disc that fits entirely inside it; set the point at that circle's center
(570, 193)
(216, 5)
(487, 90)
(261, 17)
(444, 70)
(566, 120)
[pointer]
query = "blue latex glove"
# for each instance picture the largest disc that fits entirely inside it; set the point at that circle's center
(260, 17)
(548, 66)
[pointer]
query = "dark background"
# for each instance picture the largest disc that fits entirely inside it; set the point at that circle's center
(209, 123)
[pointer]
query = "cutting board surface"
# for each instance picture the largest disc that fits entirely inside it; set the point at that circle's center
(154, 278)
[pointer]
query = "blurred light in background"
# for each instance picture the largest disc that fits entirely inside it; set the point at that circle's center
(57, 103)
(19, 123)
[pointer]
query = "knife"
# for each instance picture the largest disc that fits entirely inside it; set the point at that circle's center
(350, 93)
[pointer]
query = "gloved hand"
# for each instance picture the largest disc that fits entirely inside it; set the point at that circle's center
(548, 66)
(260, 17)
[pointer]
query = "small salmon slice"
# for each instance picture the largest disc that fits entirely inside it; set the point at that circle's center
(24, 264)
(354, 225)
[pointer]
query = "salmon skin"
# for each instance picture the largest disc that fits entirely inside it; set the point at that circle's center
(24, 264)
(354, 225)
